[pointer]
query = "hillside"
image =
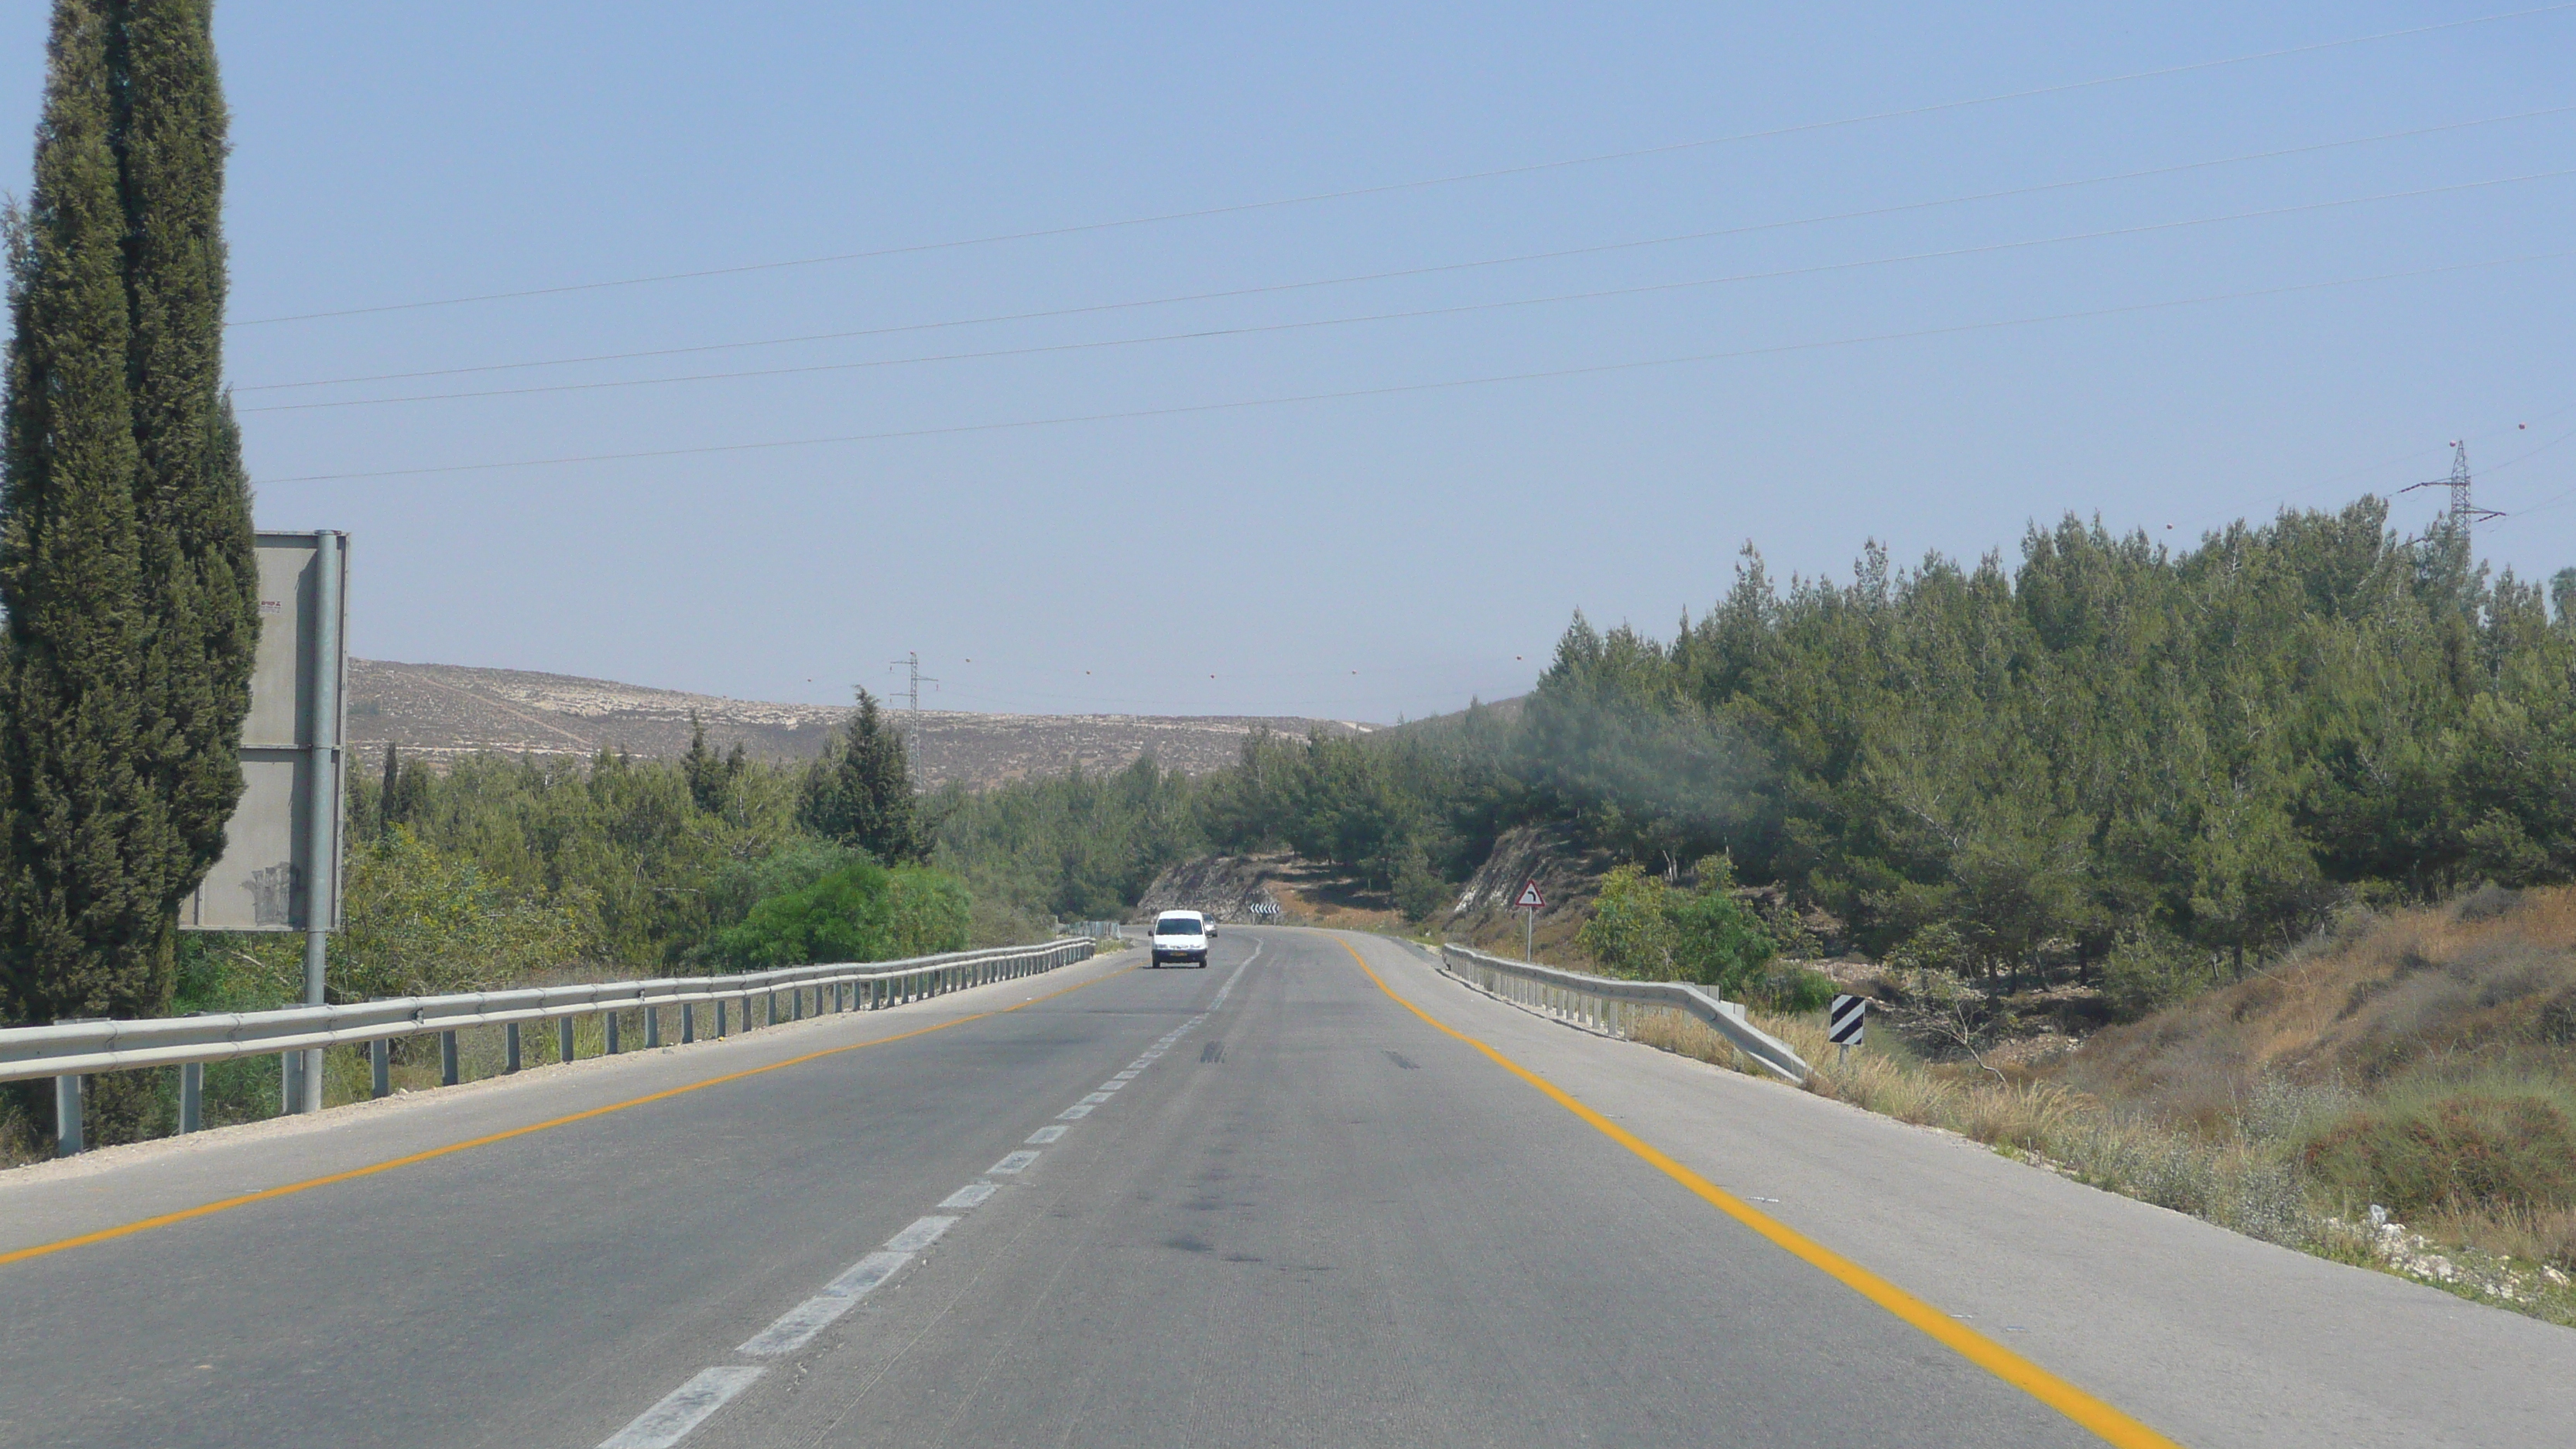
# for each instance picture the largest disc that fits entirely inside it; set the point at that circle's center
(441, 710)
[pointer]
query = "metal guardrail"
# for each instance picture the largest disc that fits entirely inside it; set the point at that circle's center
(69, 1051)
(1611, 1006)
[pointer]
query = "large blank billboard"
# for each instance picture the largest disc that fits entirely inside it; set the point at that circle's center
(274, 871)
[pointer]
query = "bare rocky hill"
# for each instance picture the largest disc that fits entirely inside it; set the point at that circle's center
(442, 710)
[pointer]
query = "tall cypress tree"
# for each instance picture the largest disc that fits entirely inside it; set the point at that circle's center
(84, 906)
(192, 498)
(126, 559)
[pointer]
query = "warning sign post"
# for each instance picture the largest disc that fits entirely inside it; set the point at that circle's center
(1530, 903)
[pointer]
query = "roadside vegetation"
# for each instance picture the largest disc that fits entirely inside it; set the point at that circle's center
(2396, 1091)
(510, 871)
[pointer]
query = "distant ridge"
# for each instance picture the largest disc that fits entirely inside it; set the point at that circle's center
(439, 711)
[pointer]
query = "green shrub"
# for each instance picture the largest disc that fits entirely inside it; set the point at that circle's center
(1795, 990)
(2147, 971)
(861, 912)
(2478, 1145)
(1642, 927)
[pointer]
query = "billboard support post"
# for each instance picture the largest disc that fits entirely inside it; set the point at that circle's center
(322, 805)
(280, 869)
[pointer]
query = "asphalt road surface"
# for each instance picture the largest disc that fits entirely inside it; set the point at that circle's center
(1272, 1202)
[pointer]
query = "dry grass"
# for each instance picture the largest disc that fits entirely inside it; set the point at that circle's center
(2418, 1061)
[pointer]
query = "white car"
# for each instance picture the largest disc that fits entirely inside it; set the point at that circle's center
(1181, 936)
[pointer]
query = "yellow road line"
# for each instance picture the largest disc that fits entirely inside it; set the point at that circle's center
(2107, 1423)
(144, 1225)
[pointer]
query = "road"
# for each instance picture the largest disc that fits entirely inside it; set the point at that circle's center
(1296, 1211)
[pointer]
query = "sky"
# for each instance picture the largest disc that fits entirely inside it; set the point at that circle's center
(1528, 310)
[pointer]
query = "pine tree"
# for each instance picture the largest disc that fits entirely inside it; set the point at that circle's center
(710, 778)
(192, 498)
(84, 913)
(860, 792)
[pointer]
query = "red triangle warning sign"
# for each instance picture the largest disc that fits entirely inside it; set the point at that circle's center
(1530, 897)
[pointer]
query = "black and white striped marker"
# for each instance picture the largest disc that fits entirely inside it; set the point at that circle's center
(1845, 1022)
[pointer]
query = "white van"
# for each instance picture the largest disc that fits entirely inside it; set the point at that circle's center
(1181, 936)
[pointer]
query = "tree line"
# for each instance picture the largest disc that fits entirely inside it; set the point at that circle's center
(2111, 756)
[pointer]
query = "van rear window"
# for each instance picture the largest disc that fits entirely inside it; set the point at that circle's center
(1176, 926)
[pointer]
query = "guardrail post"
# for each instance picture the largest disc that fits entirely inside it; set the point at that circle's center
(67, 1116)
(721, 1028)
(688, 1022)
(563, 1039)
(510, 1047)
(192, 1096)
(609, 1021)
(652, 1026)
(797, 1011)
(380, 1066)
(447, 1074)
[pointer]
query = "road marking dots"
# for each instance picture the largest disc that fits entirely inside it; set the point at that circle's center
(973, 1193)
(1016, 1162)
(1050, 1133)
(2105, 1421)
(683, 1409)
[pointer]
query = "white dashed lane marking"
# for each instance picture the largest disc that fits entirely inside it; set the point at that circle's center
(686, 1407)
(922, 1233)
(683, 1409)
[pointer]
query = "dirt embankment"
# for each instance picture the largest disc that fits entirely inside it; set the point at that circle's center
(1225, 887)
(1568, 877)
(2489, 979)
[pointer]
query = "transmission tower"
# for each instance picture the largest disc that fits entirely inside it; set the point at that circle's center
(911, 664)
(2463, 512)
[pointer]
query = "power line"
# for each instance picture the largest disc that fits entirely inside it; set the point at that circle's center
(1252, 329)
(1529, 168)
(1559, 254)
(1419, 387)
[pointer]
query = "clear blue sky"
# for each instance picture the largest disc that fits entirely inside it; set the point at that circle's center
(1368, 556)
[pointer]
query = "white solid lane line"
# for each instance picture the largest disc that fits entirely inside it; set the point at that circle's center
(683, 1409)
(1016, 1162)
(971, 1195)
(1049, 1133)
